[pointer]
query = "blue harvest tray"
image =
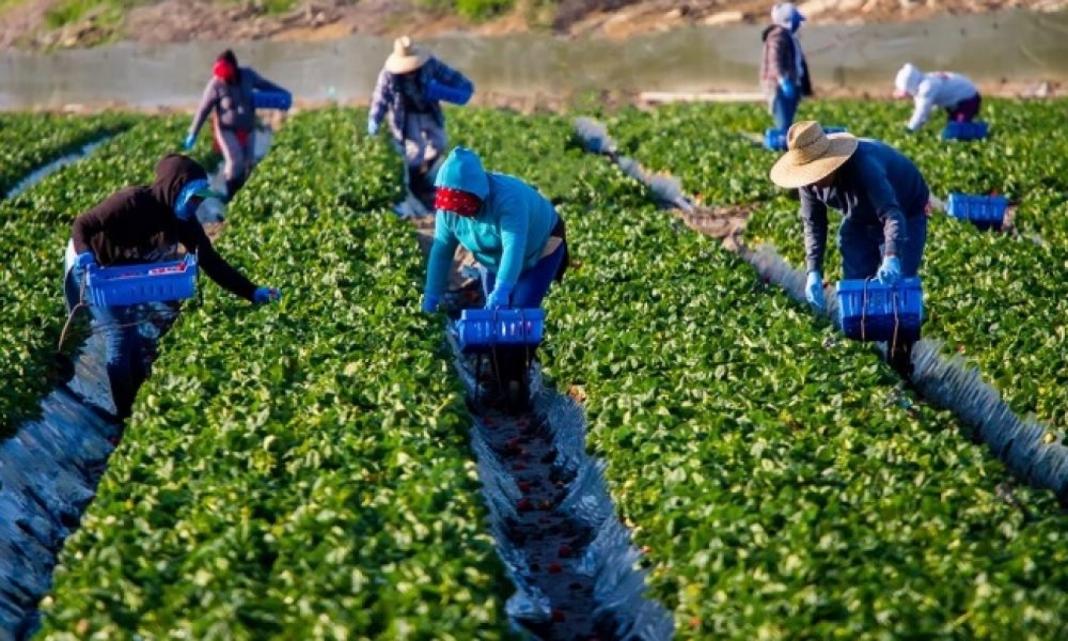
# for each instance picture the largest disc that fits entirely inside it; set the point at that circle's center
(480, 330)
(872, 311)
(142, 283)
(984, 211)
(282, 100)
(775, 139)
(966, 130)
(438, 91)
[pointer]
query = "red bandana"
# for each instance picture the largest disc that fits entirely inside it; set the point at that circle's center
(224, 71)
(459, 202)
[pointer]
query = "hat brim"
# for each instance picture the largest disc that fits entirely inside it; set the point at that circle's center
(790, 173)
(406, 64)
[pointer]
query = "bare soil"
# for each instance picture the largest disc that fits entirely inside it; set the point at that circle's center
(23, 25)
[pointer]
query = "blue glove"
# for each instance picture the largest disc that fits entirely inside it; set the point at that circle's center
(85, 260)
(190, 140)
(814, 291)
(265, 295)
(890, 271)
(372, 127)
(430, 303)
(789, 90)
(498, 298)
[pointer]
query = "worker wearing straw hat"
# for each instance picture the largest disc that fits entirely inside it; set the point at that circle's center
(410, 89)
(881, 194)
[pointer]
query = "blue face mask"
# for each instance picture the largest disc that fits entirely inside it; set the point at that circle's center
(184, 207)
(795, 23)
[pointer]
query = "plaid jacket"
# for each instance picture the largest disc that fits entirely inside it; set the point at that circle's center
(780, 61)
(388, 96)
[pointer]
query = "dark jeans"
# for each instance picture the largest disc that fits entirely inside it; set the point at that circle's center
(862, 247)
(534, 283)
(128, 351)
(966, 110)
(783, 109)
(511, 363)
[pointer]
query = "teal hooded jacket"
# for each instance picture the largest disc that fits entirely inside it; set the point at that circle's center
(507, 235)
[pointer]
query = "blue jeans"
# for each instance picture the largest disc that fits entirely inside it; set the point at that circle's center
(534, 283)
(783, 109)
(127, 349)
(862, 247)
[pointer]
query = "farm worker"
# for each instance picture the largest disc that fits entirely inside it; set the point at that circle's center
(142, 224)
(952, 91)
(783, 69)
(512, 230)
(410, 88)
(881, 194)
(228, 97)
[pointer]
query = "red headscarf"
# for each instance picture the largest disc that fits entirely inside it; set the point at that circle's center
(225, 71)
(459, 202)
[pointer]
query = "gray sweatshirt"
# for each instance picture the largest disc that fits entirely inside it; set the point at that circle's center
(877, 186)
(233, 102)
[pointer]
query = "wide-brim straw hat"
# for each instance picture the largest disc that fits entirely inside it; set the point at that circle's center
(406, 56)
(813, 155)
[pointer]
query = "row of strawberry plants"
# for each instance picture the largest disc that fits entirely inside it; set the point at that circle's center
(1001, 300)
(298, 470)
(783, 486)
(36, 226)
(29, 141)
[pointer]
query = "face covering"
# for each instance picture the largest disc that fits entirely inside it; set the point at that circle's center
(185, 208)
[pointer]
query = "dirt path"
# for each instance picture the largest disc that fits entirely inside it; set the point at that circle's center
(25, 24)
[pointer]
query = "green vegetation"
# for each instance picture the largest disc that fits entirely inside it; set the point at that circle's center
(784, 485)
(299, 470)
(1001, 300)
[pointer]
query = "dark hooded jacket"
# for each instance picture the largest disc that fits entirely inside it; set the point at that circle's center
(138, 224)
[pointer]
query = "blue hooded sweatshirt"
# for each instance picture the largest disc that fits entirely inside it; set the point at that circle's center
(507, 235)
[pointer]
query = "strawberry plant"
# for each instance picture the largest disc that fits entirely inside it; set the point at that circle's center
(783, 485)
(29, 141)
(36, 227)
(299, 470)
(1001, 300)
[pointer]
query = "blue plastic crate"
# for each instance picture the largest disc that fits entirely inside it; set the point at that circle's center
(142, 283)
(439, 91)
(774, 139)
(976, 130)
(282, 100)
(984, 211)
(871, 311)
(480, 330)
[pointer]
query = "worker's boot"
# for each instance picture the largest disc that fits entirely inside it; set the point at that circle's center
(233, 185)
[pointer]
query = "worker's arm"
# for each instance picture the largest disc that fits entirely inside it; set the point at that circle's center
(381, 99)
(814, 221)
(450, 77)
(194, 239)
(440, 261)
(207, 103)
(923, 103)
(259, 82)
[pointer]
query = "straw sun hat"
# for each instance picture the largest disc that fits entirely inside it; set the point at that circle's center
(406, 56)
(813, 155)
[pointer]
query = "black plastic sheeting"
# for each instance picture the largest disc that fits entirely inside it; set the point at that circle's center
(602, 569)
(1030, 449)
(50, 468)
(49, 471)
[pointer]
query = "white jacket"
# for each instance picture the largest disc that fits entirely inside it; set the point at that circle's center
(930, 90)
